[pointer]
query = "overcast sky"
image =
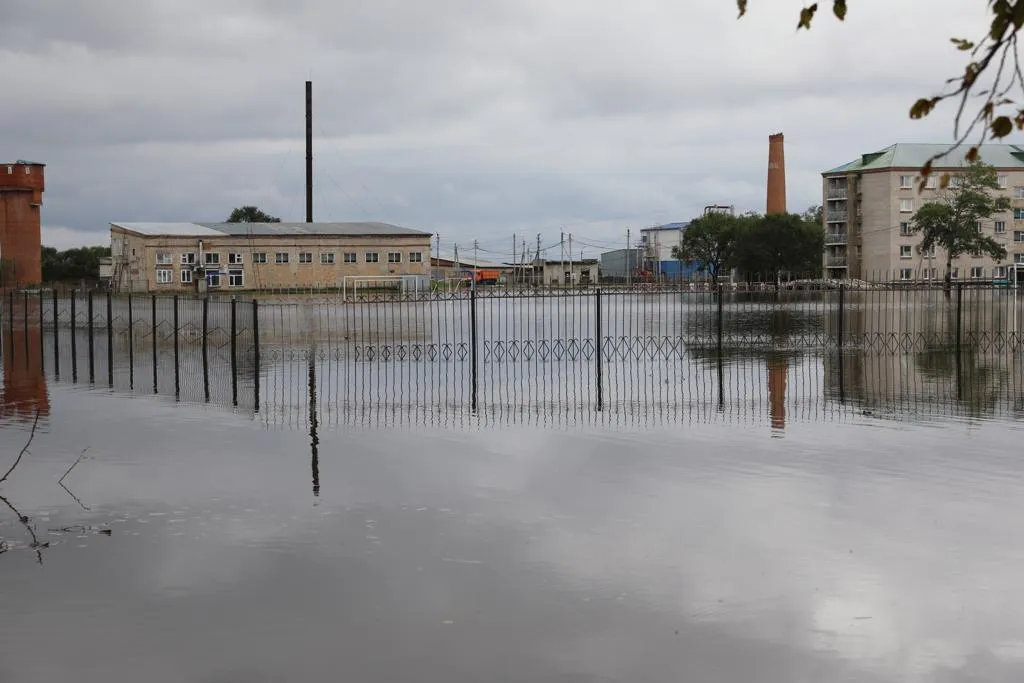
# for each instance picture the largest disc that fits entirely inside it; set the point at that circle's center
(469, 118)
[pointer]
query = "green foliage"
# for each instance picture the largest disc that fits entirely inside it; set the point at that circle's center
(710, 242)
(982, 92)
(251, 214)
(82, 263)
(780, 243)
(952, 223)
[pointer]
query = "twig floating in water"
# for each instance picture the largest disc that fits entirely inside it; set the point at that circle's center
(24, 448)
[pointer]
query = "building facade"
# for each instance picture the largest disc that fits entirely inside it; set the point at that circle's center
(21, 198)
(197, 257)
(620, 265)
(869, 204)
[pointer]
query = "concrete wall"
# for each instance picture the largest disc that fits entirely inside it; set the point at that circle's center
(621, 263)
(138, 257)
(21, 197)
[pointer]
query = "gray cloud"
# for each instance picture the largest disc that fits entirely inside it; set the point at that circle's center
(470, 118)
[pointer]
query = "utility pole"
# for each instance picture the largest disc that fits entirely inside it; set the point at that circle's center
(561, 252)
(629, 258)
(309, 151)
(513, 259)
(570, 259)
(476, 247)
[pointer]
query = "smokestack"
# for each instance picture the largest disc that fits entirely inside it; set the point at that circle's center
(309, 151)
(776, 175)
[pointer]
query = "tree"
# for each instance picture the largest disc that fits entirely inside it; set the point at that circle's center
(82, 263)
(813, 214)
(710, 242)
(993, 56)
(779, 243)
(953, 223)
(251, 214)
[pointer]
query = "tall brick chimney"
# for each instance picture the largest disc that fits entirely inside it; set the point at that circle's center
(21, 196)
(776, 175)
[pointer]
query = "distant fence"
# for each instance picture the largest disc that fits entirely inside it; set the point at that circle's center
(591, 348)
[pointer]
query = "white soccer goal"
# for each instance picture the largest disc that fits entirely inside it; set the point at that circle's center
(405, 283)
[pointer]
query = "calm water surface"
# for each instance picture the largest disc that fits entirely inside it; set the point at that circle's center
(196, 544)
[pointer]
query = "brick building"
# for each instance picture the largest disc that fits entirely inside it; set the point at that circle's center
(21, 196)
(190, 257)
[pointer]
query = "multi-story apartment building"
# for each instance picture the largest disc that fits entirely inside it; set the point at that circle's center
(170, 257)
(868, 205)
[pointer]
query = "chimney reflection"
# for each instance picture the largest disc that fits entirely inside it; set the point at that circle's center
(24, 384)
(778, 369)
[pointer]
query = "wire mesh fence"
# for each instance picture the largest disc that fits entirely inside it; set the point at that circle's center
(570, 353)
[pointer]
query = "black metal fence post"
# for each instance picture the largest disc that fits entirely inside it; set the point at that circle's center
(24, 321)
(56, 337)
(256, 354)
(153, 330)
(959, 333)
(177, 370)
(92, 359)
(74, 337)
(10, 322)
(206, 355)
(110, 341)
(131, 344)
(234, 352)
(597, 349)
(721, 359)
(839, 343)
(42, 338)
(472, 349)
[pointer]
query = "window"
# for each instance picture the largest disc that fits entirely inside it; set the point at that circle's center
(956, 181)
(905, 229)
(259, 257)
(929, 253)
(163, 258)
(163, 276)
(10, 170)
(305, 257)
(999, 271)
(1018, 214)
(954, 274)
(236, 278)
(1018, 235)
(977, 272)
(371, 257)
(188, 259)
(349, 257)
(977, 224)
(327, 258)
(906, 182)
(1000, 227)
(1018, 258)
(906, 251)
(906, 273)
(394, 257)
(186, 276)
(234, 259)
(211, 258)
(281, 257)
(930, 183)
(927, 274)
(906, 206)
(415, 257)
(1001, 181)
(213, 279)
(1018, 192)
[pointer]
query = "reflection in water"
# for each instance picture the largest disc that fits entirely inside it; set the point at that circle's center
(24, 392)
(778, 369)
(314, 437)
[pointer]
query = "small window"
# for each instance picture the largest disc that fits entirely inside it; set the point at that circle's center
(163, 258)
(977, 272)
(906, 182)
(1001, 181)
(281, 257)
(349, 257)
(906, 273)
(929, 253)
(259, 257)
(1018, 235)
(905, 229)
(211, 258)
(906, 206)
(371, 257)
(930, 183)
(1018, 192)
(415, 257)
(234, 259)
(1018, 258)
(236, 278)
(906, 251)
(327, 258)
(1000, 227)
(1018, 214)
(10, 170)
(954, 274)
(925, 275)
(213, 279)
(977, 225)
(305, 257)
(186, 276)
(188, 259)
(163, 276)
(999, 271)
(394, 257)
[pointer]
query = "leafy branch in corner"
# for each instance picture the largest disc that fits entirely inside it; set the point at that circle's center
(994, 55)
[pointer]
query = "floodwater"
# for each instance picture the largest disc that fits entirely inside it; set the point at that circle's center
(781, 534)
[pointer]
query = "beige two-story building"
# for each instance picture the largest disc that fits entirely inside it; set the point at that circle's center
(869, 203)
(198, 257)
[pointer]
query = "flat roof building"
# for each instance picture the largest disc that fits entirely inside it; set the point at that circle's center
(177, 257)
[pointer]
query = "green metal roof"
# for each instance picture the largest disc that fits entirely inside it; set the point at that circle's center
(916, 155)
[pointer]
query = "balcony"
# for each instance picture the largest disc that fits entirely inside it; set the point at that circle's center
(835, 193)
(835, 237)
(835, 217)
(835, 261)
